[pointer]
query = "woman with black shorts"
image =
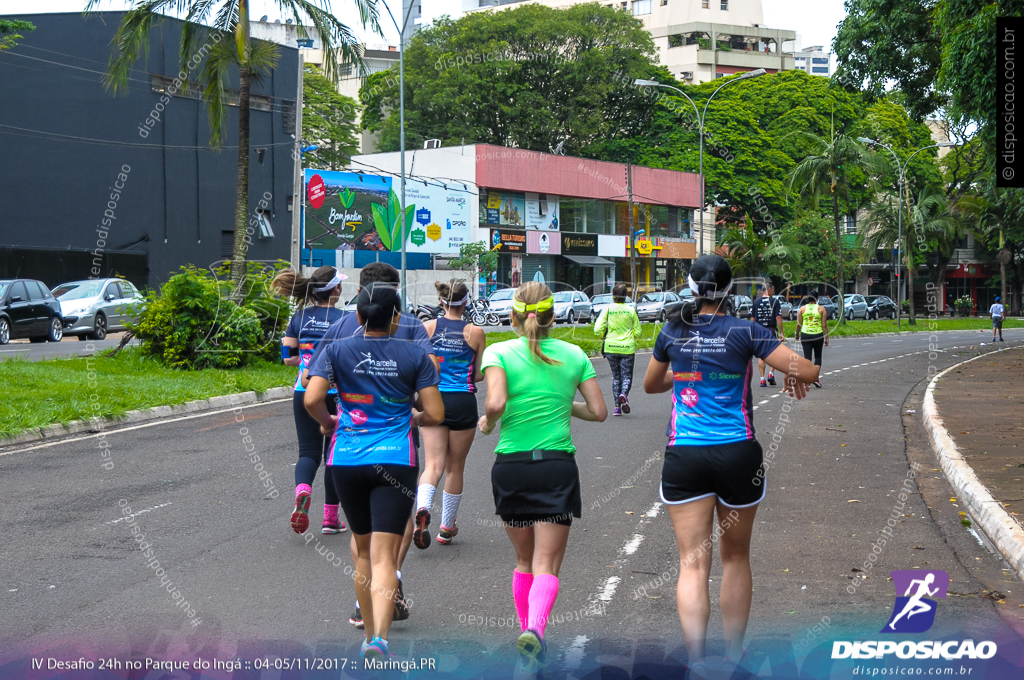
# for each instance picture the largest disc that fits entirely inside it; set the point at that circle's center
(459, 348)
(531, 382)
(812, 330)
(371, 457)
(317, 296)
(713, 463)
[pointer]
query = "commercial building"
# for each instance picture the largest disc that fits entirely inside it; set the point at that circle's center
(698, 40)
(561, 218)
(815, 61)
(95, 185)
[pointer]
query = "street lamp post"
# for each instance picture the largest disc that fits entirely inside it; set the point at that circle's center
(700, 122)
(401, 137)
(901, 169)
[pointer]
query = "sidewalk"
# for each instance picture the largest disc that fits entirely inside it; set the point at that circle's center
(982, 406)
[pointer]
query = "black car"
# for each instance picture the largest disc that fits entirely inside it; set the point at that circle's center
(880, 307)
(28, 310)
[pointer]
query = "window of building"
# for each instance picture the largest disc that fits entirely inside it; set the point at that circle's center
(800, 59)
(288, 115)
(641, 7)
(705, 4)
(664, 3)
(227, 244)
(819, 60)
(345, 69)
(819, 69)
(164, 84)
(725, 5)
(675, 40)
(304, 42)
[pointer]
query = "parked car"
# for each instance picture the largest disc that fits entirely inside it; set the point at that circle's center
(830, 306)
(855, 307)
(741, 306)
(652, 305)
(880, 306)
(94, 307)
(572, 306)
(28, 310)
(601, 302)
(786, 308)
(500, 302)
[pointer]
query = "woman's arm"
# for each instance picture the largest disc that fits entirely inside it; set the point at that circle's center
(497, 398)
(315, 402)
(593, 408)
(478, 341)
(824, 324)
(799, 372)
(429, 407)
(291, 342)
(658, 377)
(602, 321)
(799, 323)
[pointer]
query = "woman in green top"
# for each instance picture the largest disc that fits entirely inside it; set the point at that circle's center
(531, 383)
(620, 326)
(812, 330)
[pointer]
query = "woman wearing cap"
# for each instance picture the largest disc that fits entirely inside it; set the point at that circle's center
(459, 347)
(531, 382)
(316, 296)
(713, 463)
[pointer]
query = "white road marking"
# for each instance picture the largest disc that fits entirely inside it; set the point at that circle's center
(632, 544)
(155, 507)
(574, 655)
(775, 396)
(608, 589)
(763, 401)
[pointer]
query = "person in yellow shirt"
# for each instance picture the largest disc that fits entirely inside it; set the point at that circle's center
(620, 327)
(812, 330)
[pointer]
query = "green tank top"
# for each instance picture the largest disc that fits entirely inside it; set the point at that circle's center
(812, 320)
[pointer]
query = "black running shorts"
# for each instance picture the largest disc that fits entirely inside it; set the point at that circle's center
(732, 472)
(460, 410)
(376, 498)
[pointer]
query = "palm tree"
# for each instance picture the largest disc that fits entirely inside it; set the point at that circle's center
(992, 212)
(751, 254)
(230, 19)
(930, 220)
(826, 173)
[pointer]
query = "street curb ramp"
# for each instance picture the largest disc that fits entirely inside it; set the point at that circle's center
(1002, 529)
(225, 401)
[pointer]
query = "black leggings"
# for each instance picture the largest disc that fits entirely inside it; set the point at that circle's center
(812, 347)
(622, 373)
(312, 446)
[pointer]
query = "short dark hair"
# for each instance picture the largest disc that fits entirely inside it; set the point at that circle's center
(377, 305)
(619, 292)
(379, 272)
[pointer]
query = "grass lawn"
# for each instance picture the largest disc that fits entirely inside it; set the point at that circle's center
(59, 390)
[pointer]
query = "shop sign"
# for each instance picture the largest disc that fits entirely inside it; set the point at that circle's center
(579, 244)
(508, 241)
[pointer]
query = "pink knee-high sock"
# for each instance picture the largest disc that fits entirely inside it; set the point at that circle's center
(303, 488)
(330, 514)
(521, 594)
(543, 593)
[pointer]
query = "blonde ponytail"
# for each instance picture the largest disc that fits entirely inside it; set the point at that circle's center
(535, 315)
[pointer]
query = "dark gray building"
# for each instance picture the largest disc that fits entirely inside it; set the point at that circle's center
(85, 174)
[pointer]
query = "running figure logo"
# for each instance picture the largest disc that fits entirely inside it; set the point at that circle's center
(913, 611)
(367, 357)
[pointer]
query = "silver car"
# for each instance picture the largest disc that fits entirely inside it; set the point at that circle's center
(786, 308)
(572, 306)
(652, 305)
(854, 306)
(93, 307)
(500, 302)
(601, 302)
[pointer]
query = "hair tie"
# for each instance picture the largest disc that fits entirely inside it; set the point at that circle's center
(531, 315)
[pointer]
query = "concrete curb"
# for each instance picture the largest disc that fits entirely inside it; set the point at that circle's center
(1002, 529)
(142, 415)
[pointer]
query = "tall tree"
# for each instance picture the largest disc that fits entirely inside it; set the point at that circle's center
(996, 211)
(829, 172)
(530, 77)
(751, 254)
(9, 32)
(329, 121)
(232, 49)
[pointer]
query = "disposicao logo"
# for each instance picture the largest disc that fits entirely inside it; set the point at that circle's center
(914, 612)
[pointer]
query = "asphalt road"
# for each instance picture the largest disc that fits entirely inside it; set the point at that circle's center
(71, 582)
(67, 347)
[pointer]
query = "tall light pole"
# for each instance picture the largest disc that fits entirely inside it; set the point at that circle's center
(902, 170)
(401, 136)
(700, 122)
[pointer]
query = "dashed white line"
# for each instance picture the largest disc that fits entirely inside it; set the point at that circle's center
(763, 401)
(632, 544)
(155, 507)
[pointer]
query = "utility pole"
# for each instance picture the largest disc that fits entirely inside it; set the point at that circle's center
(632, 232)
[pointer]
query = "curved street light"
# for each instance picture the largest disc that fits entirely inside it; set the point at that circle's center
(700, 122)
(902, 170)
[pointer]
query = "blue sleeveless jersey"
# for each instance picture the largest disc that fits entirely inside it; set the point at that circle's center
(454, 356)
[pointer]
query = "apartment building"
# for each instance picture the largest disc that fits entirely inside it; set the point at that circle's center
(815, 61)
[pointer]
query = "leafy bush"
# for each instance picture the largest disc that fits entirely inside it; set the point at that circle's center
(197, 322)
(964, 305)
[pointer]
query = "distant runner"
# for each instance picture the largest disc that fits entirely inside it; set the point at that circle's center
(997, 311)
(620, 325)
(768, 312)
(812, 330)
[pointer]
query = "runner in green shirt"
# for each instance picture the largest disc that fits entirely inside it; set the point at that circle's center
(620, 325)
(531, 382)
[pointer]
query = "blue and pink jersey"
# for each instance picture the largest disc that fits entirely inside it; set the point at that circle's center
(308, 326)
(454, 355)
(377, 380)
(712, 370)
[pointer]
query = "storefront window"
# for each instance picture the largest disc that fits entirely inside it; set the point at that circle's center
(572, 214)
(600, 217)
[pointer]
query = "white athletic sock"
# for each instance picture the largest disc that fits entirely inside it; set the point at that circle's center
(425, 496)
(399, 572)
(449, 508)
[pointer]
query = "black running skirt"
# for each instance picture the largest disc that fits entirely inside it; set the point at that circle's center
(460, 410)
(537, 488)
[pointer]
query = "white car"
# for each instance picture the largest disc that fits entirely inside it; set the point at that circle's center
(93, 307)
(601, 302)
(500, 303)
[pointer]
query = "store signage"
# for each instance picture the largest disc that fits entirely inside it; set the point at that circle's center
(579, 244)
(543, 243)
(508, 241)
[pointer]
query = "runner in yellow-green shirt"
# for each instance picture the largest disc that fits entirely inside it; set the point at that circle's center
(812, 330)
(620, 326)
(531, 384)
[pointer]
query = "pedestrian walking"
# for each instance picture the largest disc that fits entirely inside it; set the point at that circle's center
(713, 463)
(997, 311)
(531, 382)
(767, 311)
(812, 330)
(459, 347)
(371, 458)
(316, 296)
(619, 326)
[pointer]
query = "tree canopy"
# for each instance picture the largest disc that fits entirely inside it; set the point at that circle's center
(329, 121)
